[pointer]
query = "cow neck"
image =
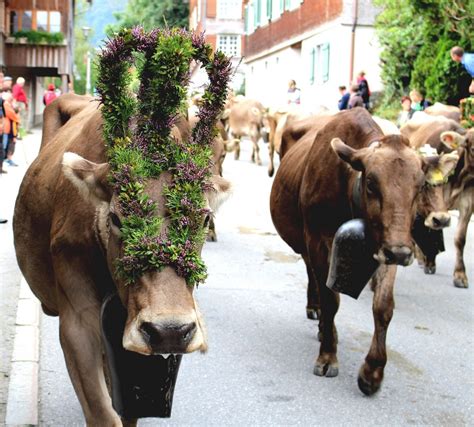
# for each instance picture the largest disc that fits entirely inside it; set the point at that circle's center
(356, 198)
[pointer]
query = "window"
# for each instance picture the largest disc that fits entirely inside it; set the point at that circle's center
(40, 20)
(54, 22)
(229, 9)
(229, 44)
(319, 64)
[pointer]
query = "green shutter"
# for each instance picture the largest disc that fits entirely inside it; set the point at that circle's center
(325, 62)
(287, 4)
(246, 19)
(312, 64)
(282, 6)
(269, 9)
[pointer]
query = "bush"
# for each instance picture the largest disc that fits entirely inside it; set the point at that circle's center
(37, 37)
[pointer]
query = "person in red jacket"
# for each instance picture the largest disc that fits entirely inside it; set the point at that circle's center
(19, 95)
(50, 95)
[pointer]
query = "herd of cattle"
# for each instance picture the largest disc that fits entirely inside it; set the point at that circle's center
(334, 167)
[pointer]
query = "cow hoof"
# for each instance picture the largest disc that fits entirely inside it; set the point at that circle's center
(461, 283)
(369, 384)
(326, 370)
(270, 172)
(312, 313)
(259, 162)
(430, 269)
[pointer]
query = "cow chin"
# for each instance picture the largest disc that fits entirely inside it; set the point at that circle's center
(151, 335)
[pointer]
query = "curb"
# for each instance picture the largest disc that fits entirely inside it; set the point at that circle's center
(22, 402)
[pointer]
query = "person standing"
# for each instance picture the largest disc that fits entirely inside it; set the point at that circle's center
(50, 95)
(345, 96)
(294, 94)
(467, 60)
(364, 89)
(356, 99)
(19, 95)
(11, 121)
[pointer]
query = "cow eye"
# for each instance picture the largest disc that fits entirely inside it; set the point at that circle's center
(371, 186)
(115, 220)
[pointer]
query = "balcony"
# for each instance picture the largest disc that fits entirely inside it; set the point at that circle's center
(21, 53)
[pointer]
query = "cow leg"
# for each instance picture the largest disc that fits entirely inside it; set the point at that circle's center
(313, 309)
(326, 364)
(236, 148)
(271, 151)
(371, 372)
(79, 333)
(460, 277)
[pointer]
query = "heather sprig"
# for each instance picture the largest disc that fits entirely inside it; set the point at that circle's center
(137, 131)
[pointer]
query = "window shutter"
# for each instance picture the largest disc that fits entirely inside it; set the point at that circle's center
(282, 6)
(269, 9)
(246, 19)
(325, 62)
(312, 64)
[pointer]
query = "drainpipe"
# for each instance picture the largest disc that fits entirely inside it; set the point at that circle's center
(355, 15)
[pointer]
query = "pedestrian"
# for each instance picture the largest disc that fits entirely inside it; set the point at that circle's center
(364, 89)
(293, 94)
(466, 59)
(418, 102)
(19, 95)
(406, 113)
(344, 101)
(50, 94)
(7, 84)
(11, 121)
(355, 99)
(2, 151)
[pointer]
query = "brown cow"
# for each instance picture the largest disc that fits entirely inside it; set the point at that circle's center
(448, 111)
(278, 121)
(311, 197)
(247, 117)
(67, 241)
(459, 194)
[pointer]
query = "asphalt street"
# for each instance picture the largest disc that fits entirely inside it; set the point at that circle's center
(258, 370)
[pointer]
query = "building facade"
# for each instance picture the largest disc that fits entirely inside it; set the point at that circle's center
(321, 44)
(24, 53)
(223, 24)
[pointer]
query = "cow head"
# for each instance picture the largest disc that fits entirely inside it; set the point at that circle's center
(431, 203)
(391, 180)
(163, 316)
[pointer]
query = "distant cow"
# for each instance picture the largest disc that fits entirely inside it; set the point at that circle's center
(313, 194)
(247, 117)
(448, 111)
(278, 120)
(67, 242)
(459, 194)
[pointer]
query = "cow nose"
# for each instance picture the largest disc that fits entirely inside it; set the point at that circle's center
(168, 338)
(401, 255)
(441, 221)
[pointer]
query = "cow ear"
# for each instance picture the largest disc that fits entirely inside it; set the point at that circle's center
(88, 177)
(219, 193)
(447, 163)
(348, 154)
(452, 140)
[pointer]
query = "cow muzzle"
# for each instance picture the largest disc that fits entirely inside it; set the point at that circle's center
(183, 334)
(438, 220)
(399, 255)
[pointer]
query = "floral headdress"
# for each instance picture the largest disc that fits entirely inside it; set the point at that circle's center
(137, 131)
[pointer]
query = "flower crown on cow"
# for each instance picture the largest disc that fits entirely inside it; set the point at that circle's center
(137, 131)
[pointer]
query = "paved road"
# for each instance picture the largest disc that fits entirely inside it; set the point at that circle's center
(9, 274)
(259, 366)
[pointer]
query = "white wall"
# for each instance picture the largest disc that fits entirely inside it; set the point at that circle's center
(267, 79)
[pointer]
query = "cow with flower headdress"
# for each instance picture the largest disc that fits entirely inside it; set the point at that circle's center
(118, 201)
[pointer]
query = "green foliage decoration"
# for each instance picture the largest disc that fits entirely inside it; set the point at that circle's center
(137, 131)
(37, 37)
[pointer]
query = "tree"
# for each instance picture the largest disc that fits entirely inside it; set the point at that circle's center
(416, 37)
(153, 13)
(81, 47)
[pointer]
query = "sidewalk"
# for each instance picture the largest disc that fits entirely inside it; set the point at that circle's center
(10, 276)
